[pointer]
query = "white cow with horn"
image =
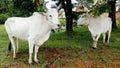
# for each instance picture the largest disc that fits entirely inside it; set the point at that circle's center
(35, 29)
(97, 26)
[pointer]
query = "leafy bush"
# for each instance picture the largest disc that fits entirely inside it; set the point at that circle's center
(99, 9)
(3, 17)
(118, 23)
(62, 21)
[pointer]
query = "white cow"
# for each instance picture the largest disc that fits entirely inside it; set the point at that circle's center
(97, 26)
(35, 29)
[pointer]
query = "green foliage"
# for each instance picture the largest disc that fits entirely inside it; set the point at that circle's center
(5, 6)
(62, 21)
(99, 9)
(3, 17)
(40, 8)
(118, 23)
(20, 13)
(26, 5)
(90, 1)
(19, 8)
(23, 8)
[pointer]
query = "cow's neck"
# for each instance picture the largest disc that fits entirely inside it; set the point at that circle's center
(43, 26)
(46, 27)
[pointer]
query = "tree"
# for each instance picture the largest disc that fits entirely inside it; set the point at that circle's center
(39, 5)
(106, 6)
(37, 2)
(23, 7)
(112, 12)
(68, 13)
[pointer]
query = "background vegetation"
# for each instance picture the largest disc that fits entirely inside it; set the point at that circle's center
(25, 8)
(61, 50)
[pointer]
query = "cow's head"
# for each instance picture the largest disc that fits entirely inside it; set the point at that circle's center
(52, 16)
(83, 20)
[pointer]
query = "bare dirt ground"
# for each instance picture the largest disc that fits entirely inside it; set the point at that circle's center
(118, 15)
(82, 58)
(102, 57)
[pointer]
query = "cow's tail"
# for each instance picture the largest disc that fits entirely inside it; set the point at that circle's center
(106, 37)
(9, 46)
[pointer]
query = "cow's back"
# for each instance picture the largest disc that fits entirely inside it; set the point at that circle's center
(99, 25)
(18, 27)
(106, 24)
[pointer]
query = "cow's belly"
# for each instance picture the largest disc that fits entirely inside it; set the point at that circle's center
(22, 36)
(20, 32)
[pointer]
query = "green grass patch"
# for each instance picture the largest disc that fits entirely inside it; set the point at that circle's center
(61, 49)
(76, 40)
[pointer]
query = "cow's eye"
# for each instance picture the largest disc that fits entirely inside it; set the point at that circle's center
(50, 15)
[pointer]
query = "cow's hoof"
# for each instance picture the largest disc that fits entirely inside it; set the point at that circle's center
(38, 63)
(30, 63)
(14, 58)
(18, 52)
(94, 47)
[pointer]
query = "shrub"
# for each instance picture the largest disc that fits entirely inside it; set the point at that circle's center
(62, 21)
(118, 23)
(3, 17)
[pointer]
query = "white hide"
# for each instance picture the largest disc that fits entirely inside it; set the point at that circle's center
(97, 26)
(34, 29)
(95, 1)
(49, 3)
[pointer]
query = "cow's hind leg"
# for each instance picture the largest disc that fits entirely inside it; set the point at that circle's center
(36, 51)
(109, 33)
(13, 46)
(104, 37)
(17, 45)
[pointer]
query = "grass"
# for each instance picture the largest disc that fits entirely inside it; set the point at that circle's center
(61, 39)
(62, 50)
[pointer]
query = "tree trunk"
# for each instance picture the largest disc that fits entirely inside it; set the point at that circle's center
(112, 13)
(68, 13)
(69, 16)
(37, 2)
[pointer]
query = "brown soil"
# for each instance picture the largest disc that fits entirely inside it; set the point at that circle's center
(73, 58)
(118, 15)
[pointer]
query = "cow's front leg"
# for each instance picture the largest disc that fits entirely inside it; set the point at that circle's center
(95, 41)
(36, 51)
(31, 45)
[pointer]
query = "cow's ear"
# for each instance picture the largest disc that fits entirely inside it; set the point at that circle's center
(59, 7)
(35, 13)
(46, 8)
